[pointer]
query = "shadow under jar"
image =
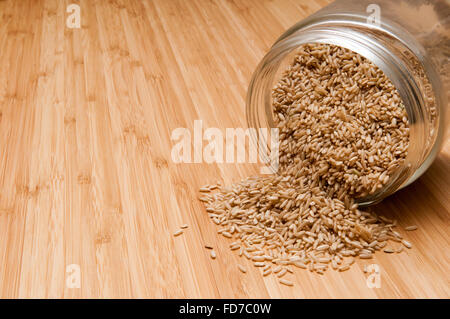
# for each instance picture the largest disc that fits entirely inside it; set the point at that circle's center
(408, 40)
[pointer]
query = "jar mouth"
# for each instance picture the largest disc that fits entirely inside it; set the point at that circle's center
(380, 54)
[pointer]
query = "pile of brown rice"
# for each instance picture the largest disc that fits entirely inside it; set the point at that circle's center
(343, 132)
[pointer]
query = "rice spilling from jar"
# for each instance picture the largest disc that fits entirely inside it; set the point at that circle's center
(343, 132)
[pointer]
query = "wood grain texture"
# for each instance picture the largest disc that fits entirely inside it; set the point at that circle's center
(86, 175)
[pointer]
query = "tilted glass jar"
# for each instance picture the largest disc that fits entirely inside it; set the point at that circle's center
(409, 40)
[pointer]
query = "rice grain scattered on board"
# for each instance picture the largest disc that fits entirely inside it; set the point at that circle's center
(178, 232)
(267, 272)
(282, 273)
(226, 234)
(258, 258)
(406, 243)
(242, 269)
(286, 282)
(344, 268)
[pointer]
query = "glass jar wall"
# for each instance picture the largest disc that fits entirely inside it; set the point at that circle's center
(408, 40)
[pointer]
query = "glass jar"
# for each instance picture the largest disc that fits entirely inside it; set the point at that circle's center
(408, 40)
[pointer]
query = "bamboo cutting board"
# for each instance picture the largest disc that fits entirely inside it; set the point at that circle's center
(86, 178)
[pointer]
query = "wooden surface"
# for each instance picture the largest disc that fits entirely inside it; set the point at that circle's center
(86, 175)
